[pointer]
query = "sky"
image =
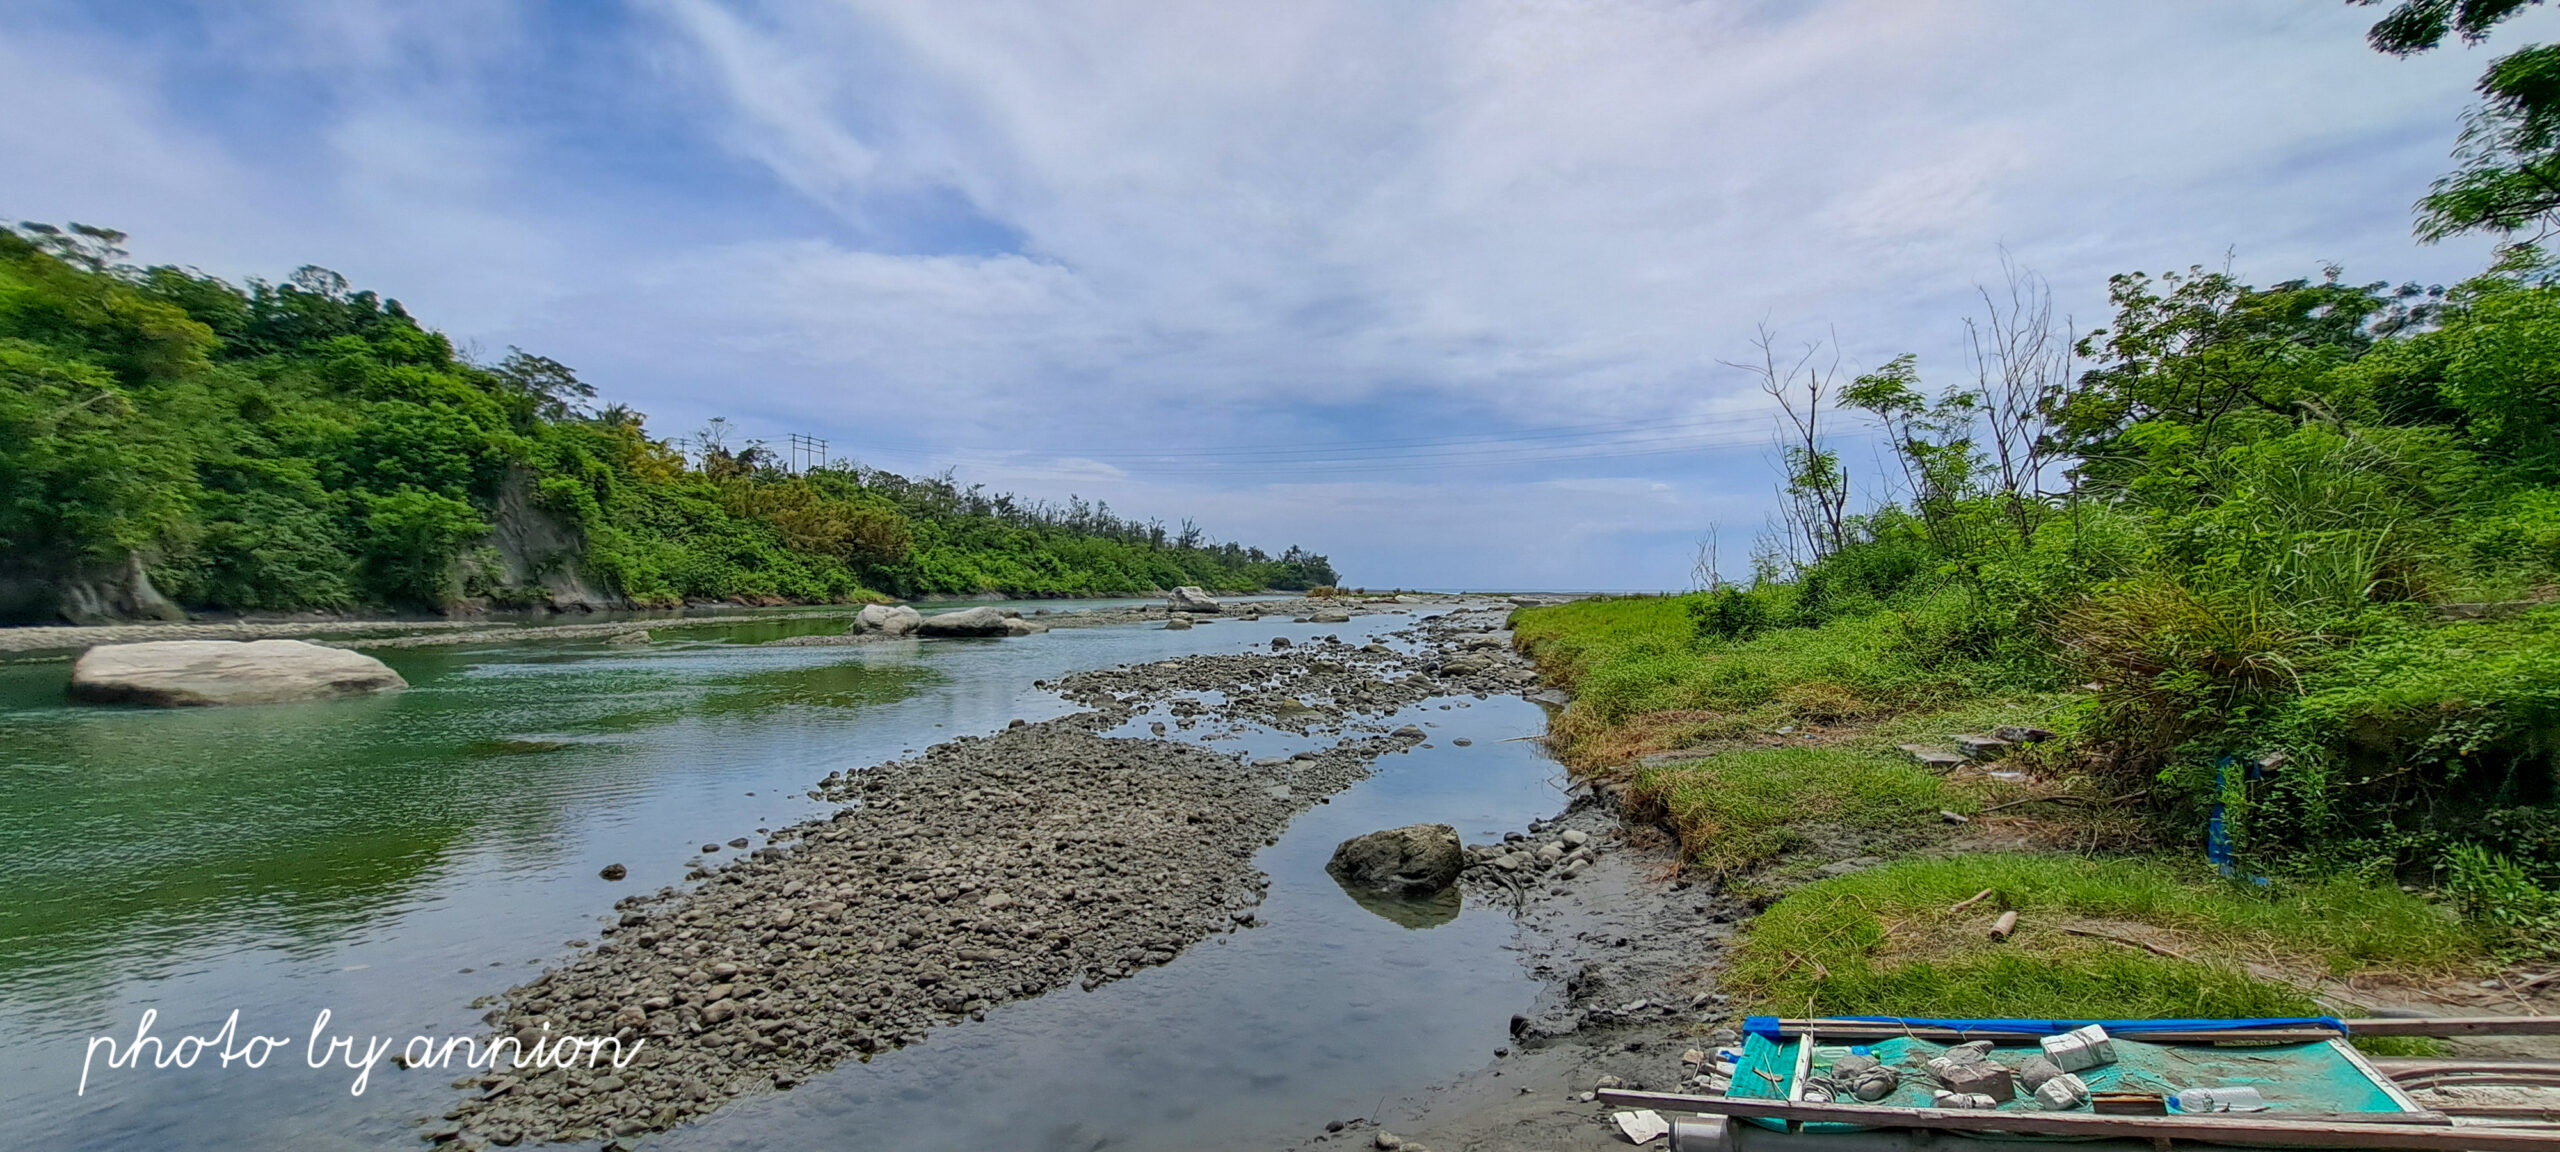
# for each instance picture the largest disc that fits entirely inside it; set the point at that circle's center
(1444, 290)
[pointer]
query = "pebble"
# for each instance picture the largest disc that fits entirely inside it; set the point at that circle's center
(983, 870)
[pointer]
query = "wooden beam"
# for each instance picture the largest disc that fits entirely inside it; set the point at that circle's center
(2397, 1066)
(2395, 1026)
(2458, 1026)
(1872, 1030)
(2262, 1130)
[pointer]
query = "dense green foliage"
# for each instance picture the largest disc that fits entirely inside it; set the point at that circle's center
(2297, 555)
(306, 446)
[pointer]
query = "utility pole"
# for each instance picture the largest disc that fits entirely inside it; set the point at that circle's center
(811, 449)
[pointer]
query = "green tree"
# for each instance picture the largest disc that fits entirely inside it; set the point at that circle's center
(2507, 178)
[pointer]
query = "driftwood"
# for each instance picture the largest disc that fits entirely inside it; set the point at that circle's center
(2425, 1131)
(2128, 942)
(1970, 901)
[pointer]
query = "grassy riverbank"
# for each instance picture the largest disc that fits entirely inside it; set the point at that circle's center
(1776, 760)
(2279, 562)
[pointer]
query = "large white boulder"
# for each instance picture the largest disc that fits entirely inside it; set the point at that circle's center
(893, 619)
(194, 673)
(966, 622)
(1192, 598)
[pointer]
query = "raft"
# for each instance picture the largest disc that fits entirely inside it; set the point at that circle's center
(2317, 1089)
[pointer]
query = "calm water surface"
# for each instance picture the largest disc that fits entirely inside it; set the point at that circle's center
(391, 860)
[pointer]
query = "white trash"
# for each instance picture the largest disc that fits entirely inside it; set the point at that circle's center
(2081, 1048)
(2063, 1091)
(1642, 1125)
(2237, 1098)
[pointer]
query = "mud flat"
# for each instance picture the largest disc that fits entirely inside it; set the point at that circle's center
(983, 870)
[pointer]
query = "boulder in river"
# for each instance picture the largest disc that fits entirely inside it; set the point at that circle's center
(966, 622)
(1176, 624)
(1017, 626)
(1416, 860)
(192, 673)
(1329, 616)
(1192, 598)
(893, 619)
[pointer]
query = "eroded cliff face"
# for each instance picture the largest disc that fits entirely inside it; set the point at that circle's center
(105, 596)
(102, 594)
(530, 559)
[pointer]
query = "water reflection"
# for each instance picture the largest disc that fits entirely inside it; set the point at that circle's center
(1409, 911)
(396, 858)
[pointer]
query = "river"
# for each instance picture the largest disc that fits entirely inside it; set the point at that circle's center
(396, 860)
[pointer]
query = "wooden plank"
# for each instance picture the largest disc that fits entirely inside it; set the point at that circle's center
(1837, 1030)
(2409, 1065)
(2549, 1115)
(2458, 1026)
(2263, 1130)
(2395, 1026)
(2373, 1075)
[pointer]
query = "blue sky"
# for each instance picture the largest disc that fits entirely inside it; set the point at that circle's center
(1440, 289)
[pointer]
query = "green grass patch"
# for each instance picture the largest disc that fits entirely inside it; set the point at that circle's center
(1882, 942)
(1737, 810)
(1626, 657)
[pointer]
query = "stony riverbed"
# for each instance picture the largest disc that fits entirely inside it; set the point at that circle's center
(982, 870)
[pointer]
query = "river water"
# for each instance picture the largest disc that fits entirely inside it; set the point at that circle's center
(394, 860)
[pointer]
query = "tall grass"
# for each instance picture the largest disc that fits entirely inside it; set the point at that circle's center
(1883, 941)
(1737, 810)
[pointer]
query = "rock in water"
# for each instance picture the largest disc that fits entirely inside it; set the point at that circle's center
(893, 619)
(1192, 598)
(192, 673)
(1017, 626)
(1176, 624)
(1416, 860)
(1329, 616)
(967, 622)
(638, 637)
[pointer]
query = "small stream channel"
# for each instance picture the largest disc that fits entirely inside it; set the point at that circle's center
(391, 860)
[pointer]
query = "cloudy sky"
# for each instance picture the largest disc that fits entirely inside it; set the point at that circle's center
(1440, 289)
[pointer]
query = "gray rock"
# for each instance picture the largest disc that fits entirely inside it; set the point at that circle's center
(1176, 624)
(967, 622)
(1191, 598)
(1017, 626)
(1979, 747)
(640, 636)
(1329, 616)
(893, 619)
(1416, 860)
(191, 673)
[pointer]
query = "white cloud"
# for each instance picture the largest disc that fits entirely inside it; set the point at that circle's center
(1040, 240)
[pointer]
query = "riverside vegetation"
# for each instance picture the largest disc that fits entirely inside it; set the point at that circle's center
(170, 442)
(2279, 567)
